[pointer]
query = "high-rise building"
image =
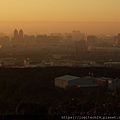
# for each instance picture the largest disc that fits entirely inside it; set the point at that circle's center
(18, 36)
(15, 34)
(21, 35)
(15, 37)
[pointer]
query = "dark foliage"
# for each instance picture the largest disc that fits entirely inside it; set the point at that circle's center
(32, 91)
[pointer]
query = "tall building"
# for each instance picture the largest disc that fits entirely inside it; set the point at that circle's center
(20, 33)
(18, 36)
(15, 38)
(21, 36)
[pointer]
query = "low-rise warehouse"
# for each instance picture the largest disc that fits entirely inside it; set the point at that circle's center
(69, 81)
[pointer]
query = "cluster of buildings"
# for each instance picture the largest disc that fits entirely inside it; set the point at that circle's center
(76, 35)
(19, 37)
(87, 84)
(81, 40)
(74, 46)
(25, 63)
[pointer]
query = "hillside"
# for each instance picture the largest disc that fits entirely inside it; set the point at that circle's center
(32, 91)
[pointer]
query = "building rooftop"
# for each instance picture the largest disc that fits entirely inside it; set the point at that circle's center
(89, 85)
(104, 78)
(67, 77)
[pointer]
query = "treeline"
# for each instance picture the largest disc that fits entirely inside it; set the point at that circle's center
(25, 91)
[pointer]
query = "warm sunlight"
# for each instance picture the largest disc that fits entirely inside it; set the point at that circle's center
(55, 11)
(60, 10)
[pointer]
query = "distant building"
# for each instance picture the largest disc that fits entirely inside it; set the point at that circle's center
(27, 62)
(18, 36)
(15, 37)
(21, 36)
(47, 39)
(4, 39)
(68, 37)
(91, 39)
(118, 40)
(29, 39)
(7, 62)
(76, 35)
(81, 46)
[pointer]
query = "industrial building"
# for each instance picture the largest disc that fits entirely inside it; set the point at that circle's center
(66, 81)
(86, 84)
(112, 84)
(108, 83)
(69, 81)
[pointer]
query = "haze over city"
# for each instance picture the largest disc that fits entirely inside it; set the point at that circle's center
(60, 58)
(46, 16)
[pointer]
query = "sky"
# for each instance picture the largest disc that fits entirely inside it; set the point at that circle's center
(40, 16)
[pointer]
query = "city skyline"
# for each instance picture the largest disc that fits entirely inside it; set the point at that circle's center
(44, 27)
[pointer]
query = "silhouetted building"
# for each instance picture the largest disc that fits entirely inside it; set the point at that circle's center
(118, 40)
(47, 39)
(91, 39)
(68, 37)
(18, 37)
(29, 39)
(76, 35)
(16, 34)
(15, 37)
(21, 35)
(4, 39)
(66, 81)
(81, 46)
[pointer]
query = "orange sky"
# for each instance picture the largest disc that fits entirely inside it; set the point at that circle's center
(57, 13)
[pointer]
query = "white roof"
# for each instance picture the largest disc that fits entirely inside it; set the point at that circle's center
(67, 77)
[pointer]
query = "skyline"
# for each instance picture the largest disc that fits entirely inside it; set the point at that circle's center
(46, 16)
(89, 28)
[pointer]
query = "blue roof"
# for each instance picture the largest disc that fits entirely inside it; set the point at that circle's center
(67, 77)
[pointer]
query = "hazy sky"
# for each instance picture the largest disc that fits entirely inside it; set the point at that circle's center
(57, 11)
